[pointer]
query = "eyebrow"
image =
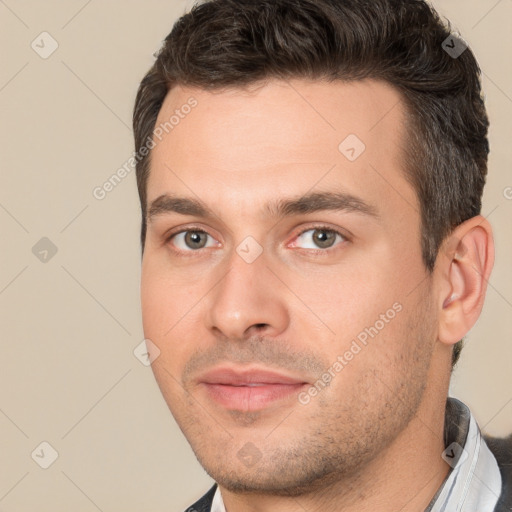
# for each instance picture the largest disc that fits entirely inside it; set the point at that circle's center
(309, 203)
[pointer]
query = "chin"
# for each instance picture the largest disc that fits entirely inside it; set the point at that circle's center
(270, 481)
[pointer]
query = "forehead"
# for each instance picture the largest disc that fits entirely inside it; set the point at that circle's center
(282, 138)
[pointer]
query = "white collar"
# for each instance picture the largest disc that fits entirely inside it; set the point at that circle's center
(474, 483)
(218, 503)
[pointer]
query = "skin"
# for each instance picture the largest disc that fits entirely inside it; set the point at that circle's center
(373, 438)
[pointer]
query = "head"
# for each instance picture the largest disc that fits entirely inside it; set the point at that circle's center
(283, 111)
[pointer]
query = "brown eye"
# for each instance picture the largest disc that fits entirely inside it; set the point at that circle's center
(319, 238)
(191, 240)
(196, 239)
(323, 238)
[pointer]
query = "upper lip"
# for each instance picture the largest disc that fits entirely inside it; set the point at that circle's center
(242, 377)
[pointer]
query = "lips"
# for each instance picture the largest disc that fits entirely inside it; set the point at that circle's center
(233, 377)
(249, 389)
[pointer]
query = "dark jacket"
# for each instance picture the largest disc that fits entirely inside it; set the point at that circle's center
(502, 450)
(205, 503)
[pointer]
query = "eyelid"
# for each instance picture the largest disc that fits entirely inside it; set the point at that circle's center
(168, 235)
(183, 229)
(323, 227)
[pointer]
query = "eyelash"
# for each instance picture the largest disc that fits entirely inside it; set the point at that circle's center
(192, 253)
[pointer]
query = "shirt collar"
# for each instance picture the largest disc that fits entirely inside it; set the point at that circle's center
(217, 503)
(473, 483)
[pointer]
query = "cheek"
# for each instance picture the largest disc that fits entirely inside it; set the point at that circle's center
(169, 315)
(153, 301)
(162, 295)
(159, 309)
(347, 299)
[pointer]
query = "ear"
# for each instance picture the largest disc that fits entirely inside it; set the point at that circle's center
(464, 265)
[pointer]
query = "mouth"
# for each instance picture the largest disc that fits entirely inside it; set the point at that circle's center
(249, 389)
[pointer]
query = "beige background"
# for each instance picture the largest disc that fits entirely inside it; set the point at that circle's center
(68, 373)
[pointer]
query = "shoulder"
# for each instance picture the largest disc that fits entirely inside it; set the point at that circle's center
(205, 503)
(502, 451)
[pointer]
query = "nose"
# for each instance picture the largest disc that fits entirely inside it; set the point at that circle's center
(249, 300)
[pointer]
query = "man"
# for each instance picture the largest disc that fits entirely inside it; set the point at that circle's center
(310, 176)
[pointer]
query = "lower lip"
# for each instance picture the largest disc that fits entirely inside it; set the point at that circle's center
(251, 398)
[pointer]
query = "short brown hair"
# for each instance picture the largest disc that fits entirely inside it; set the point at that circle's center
(233, 43)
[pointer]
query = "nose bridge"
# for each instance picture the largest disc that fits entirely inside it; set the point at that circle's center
(248, 295)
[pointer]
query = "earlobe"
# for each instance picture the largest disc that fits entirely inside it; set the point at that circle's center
(466, 261)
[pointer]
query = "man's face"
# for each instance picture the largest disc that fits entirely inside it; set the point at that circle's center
(295, 342)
